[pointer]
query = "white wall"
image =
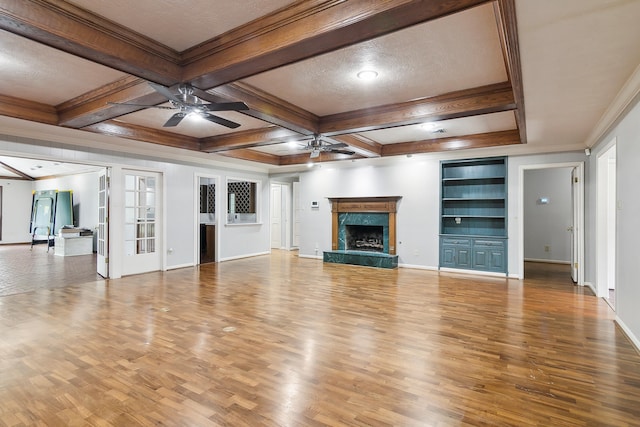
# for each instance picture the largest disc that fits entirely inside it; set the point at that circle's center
(545, 225)
(16, 210)
(416, 179)
(627, 134)
(180, 199)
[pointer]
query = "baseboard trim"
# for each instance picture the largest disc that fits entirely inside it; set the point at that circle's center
(231, 258)
(591, 286)
(473, 272)
(175, 267)
(548, 261)
(418, 267)
(310, 256)
(634, 340)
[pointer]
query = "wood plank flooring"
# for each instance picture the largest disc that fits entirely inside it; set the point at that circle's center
(285, 341)
(26, 269)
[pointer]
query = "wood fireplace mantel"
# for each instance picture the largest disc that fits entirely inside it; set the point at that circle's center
(366, 205)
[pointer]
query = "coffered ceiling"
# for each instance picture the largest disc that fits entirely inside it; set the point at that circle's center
(466, 68)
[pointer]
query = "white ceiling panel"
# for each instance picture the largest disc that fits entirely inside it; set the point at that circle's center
(39, 73)
(576, 56)
(181, 24)
(455, 52)
(455, 127)
(45, 168)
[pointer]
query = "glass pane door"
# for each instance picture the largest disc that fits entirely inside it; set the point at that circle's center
(140, 214)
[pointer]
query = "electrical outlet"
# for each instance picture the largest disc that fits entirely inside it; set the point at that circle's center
(547, 248)
(416, 253)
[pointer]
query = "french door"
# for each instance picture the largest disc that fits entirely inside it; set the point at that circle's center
(142, 222)
(102, 242)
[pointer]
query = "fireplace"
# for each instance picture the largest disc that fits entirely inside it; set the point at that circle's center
(363, 231)
(364, 238)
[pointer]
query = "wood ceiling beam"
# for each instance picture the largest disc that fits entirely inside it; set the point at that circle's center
(144, 134)
(361, 145)
(94, 107)
(481, 140)
(301, 159)
(469, 102)
(505, 11)
(247, 139)
(21, 175)
(28, 110)
(74, 30)
(252, 156)
(266, 107)
(303, 30)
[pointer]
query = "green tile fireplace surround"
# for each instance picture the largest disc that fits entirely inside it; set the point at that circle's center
(363, 231)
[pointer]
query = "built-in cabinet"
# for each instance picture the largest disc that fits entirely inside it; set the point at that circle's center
(473, 214)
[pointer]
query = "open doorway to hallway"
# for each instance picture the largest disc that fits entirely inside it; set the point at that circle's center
(551, 209)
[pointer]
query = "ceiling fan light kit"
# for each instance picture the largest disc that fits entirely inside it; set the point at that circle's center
(318, 145)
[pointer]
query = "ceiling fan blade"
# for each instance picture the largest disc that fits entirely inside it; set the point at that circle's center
(221, 121)
(174, 120)
(343, 152)
(336, 145)
(165, 91)
(226, 106)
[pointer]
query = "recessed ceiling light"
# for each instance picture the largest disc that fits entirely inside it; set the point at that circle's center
(367, 75)
(310, 164)
(428, 126)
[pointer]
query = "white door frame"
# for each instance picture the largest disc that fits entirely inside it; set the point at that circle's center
(286, 213)
(605, 238)
(196, 210)
(579, 209)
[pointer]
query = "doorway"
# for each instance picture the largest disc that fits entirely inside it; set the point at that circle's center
(206, 196)
(571, 235)
(606, 223)
(280, 216)
(142, 221)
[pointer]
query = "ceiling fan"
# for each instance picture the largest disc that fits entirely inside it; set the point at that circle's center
(189, 100)
(318, 145)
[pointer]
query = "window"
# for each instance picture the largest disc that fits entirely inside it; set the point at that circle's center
(242, 201)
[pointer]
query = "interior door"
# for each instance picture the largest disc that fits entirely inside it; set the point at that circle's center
(102, 239)
(572, 227)
(276, 216)
(296, 214)
(142, 222)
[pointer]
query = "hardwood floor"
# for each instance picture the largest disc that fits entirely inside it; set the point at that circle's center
(26, 269)
(285, 341)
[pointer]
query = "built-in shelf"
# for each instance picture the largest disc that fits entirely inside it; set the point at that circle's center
(473, 214)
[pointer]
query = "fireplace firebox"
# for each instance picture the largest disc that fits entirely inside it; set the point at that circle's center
(364, 238)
